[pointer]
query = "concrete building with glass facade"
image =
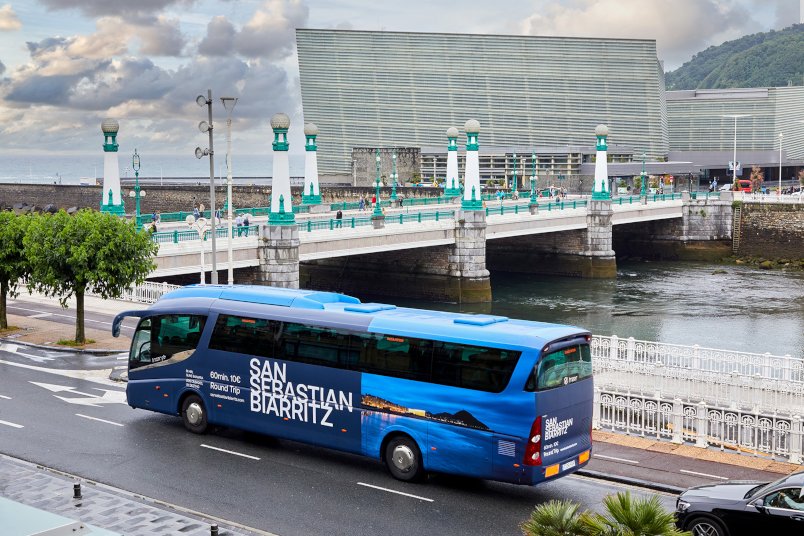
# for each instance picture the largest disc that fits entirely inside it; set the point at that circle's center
(701, 132)
(404, 89)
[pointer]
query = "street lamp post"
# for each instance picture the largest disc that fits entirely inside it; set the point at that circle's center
(643, 190)
(734, 157)
(200, 225)
(229, 104)
(377, 209)
(135, 165)
(781, 136)
(533, 198)
(393, 175)
(205, 126)
(513, 181)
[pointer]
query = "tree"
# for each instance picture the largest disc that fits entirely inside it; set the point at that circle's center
(70, 255)
(626, 516)
(13, 264)
(554, 518)
(757, 178)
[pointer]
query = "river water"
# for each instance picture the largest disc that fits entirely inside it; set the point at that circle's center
(744, 309)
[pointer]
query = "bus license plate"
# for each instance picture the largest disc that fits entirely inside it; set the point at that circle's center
(568, 465)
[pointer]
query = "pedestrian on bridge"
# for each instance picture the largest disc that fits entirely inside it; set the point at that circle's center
(196, 214)
(239, 224)
(362, 205)
(245, 223)
(339, 219)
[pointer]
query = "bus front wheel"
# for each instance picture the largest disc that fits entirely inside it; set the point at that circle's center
(194, 414)
(403, 458)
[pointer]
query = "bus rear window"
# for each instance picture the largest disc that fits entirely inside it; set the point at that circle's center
(563, 367)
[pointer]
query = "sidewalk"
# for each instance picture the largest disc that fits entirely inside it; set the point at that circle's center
(100, 506)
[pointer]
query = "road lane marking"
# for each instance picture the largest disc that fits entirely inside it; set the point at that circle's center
(230, 452)
(41, 315)
(702, 474)
(5, 397)
(394, 491)
(94, 375)
(11, 424)
(97, 419)
(614, 459)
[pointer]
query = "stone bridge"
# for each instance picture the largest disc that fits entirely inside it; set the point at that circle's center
(450, 259)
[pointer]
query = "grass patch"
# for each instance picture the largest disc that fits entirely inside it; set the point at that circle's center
(70, 342)
(9, 330)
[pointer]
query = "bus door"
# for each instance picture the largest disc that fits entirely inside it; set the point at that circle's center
(562, 384)
(157, 360)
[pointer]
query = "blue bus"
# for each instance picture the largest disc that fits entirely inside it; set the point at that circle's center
(423, 391)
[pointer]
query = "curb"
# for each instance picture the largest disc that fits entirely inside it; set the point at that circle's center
(666, 488)
(90, 351)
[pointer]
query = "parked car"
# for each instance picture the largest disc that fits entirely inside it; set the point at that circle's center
(743, 508)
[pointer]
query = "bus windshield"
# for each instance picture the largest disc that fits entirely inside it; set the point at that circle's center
(564, 366)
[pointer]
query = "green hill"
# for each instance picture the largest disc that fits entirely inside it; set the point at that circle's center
(768, 59)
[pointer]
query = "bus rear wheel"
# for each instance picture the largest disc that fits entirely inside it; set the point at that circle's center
(403, 459)
(194, 414)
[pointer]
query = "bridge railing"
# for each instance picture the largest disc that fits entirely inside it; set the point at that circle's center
(547, 206)
(175, 236)
(733, 400)
(146, 292)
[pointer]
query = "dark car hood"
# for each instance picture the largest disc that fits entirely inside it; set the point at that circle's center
(731, 491)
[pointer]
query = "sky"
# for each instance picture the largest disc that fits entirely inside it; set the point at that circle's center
(67, 64)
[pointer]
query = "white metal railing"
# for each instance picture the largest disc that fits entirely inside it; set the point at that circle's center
(739, 401)
(147, 292)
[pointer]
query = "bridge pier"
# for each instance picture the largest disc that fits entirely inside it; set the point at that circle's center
(279, 256)
(598, 260)
(469, 280)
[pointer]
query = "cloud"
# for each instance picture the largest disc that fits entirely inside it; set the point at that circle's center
(271, 31)
(161, 37)
(123, 8)
(2, 67)
(680, 28)
(8, 19)
(219, 40)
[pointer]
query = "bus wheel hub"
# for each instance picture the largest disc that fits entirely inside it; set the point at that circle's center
(402, 458)
(194, 413)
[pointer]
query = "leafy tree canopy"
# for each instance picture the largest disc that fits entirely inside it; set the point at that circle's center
(13, 264)
(90, 250)
(767, 59)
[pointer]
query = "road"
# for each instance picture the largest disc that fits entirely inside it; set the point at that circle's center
(77, 422)
(54, 313)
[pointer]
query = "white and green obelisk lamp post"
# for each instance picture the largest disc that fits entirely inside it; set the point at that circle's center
(111, 198)
(281, 206)
(452, 187)
(311, 195)
(601, 188)
(471, 195)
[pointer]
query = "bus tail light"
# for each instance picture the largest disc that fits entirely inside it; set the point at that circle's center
(533, 449)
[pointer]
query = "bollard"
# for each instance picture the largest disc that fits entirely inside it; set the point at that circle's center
(213, 530)
(76, 490)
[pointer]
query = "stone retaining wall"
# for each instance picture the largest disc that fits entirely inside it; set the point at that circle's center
(175, 198)
(772, 230)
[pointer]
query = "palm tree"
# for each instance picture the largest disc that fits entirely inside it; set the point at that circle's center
(554, 518)
(757, 178)
(627, 516)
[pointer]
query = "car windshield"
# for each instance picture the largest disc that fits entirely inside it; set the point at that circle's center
(761, 488)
